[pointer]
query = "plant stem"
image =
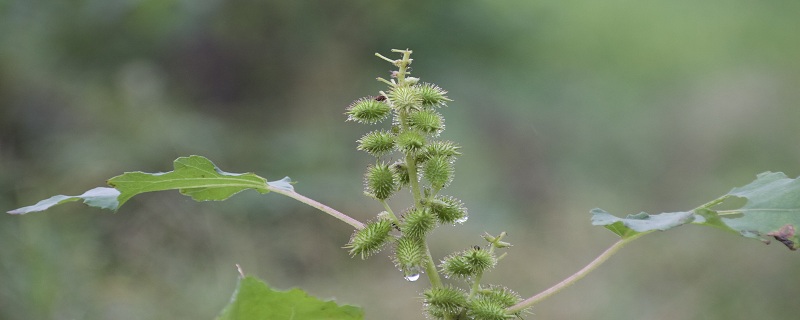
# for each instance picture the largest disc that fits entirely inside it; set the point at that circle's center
(390, 212)
(430, 269)
(311, 202)
(575, 277)
(476, 285)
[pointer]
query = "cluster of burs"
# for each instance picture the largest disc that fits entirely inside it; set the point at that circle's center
(410, 156)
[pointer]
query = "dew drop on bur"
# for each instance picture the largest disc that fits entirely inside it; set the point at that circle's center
(462, 220)
(412, 277)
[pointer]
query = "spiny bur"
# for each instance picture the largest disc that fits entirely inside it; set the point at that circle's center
(447, 209)
(377, 143)
(417, 223)
(380, 181)
(447, 301)
(438, 170)
(368, 110)
(371, 239)
(405, 98)
(432, 95)
(409, 254)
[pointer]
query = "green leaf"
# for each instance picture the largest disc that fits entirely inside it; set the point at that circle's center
(194, 176)
(254, 300)
(772, 211)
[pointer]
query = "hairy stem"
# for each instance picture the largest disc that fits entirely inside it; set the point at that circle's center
(311, 202)
(575, 277)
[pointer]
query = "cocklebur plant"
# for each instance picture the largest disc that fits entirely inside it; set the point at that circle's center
(410, 157)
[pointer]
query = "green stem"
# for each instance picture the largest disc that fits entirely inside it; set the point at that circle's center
(575, 277)
(403, 65)
(476, 285)
(311, 202)
(430, 268)
(389, 211)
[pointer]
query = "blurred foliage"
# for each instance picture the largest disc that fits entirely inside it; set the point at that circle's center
(560, 106)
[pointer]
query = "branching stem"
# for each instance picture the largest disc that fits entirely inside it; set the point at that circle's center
(575, 277)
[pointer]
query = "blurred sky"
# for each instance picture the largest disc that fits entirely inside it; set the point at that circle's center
(560, 106)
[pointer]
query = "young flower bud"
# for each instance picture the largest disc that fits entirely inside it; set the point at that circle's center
(409, 254)
(427, 121)
(410, 141)
(368, 110)
(376, 143)
(380, 181)
(443, 302)
(371, 239)
(417, 223)
(405, 98)
(438, 170)
(432, 95)
(448, 210)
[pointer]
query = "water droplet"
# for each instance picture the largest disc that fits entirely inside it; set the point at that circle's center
(412, 277)
(462, 220)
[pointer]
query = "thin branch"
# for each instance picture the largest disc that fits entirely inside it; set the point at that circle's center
(573, 278)
(311, 202)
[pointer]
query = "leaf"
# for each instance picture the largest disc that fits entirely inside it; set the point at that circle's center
(638, 223)
(194, 176)
(254, 300)
(772, 211)
(100, 197)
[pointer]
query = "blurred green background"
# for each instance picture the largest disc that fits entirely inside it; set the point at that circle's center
(560, 106)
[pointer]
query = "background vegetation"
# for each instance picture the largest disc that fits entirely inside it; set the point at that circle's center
(561, 106)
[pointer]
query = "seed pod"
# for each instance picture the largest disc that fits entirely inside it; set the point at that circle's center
(432, 95)
(501, 295)
(380, 181)
(448, 210)
(438, 170)
(371, 239)
(486, 309)
(409, 254)
(468, 263)
(405, 98)
(439, 148)
(376, 143)
(367, 110)
(479, 260)
(410, 141)
(417, 223)
(455, 266)
(427, 121)
(444, 302)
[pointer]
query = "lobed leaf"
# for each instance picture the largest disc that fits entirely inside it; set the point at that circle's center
(253, 299)
(194, 176)
(772, 211)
